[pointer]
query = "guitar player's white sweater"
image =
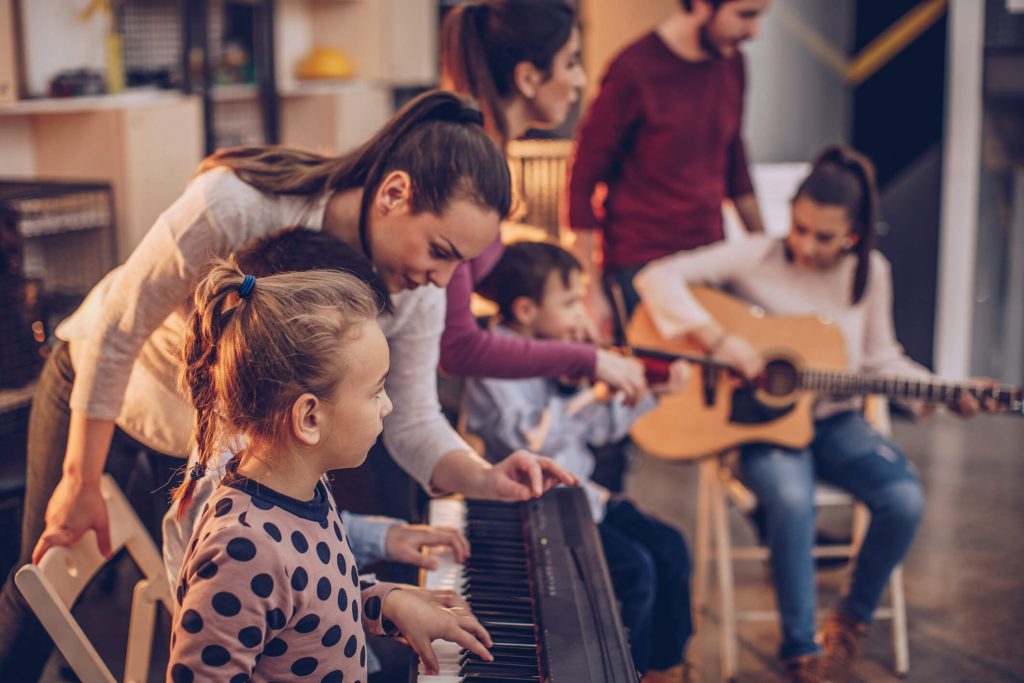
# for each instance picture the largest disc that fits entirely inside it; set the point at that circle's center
(758, 270)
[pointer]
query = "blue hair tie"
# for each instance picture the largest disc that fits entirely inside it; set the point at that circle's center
(197, 472)
(248, 283)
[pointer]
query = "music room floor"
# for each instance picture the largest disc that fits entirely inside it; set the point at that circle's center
(964, 574)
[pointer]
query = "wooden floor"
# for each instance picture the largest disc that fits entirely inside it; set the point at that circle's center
(965, 572)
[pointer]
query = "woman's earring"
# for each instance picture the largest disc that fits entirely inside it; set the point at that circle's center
(848, 244)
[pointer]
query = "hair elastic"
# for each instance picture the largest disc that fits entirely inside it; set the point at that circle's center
(248, 283)
(197, 472)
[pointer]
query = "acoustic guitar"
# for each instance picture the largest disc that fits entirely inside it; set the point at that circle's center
(805, 357)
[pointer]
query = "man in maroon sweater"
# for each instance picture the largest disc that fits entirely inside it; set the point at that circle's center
(664, 137)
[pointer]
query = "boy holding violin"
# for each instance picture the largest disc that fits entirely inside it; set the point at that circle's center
(537, 288)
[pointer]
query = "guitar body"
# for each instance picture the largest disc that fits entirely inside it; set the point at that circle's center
(685, 426)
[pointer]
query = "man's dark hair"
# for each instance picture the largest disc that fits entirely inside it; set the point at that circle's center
(523, 270)
(298, 249)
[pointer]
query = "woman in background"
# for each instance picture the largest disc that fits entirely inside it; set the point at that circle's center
(520, 59)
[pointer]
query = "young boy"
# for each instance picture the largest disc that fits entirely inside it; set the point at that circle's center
(537, 289)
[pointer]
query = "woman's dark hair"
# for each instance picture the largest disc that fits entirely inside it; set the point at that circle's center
(437, 138)
(481, 43)
(841, 176)
(523, 270)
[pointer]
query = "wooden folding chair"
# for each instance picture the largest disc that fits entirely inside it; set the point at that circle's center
(52, 586)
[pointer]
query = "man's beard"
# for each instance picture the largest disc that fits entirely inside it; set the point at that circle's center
(706, 43)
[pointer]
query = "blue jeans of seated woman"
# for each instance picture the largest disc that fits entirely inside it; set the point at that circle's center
(846, 452)
(649, 566)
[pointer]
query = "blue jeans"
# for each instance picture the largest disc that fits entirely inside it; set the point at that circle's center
(846, 452)
(649, 565)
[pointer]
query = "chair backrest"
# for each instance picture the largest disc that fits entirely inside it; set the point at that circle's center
(52, 586)
(539, 169)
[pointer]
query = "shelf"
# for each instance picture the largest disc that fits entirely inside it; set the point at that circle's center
(234, 92)
(11, 399)
(65, 105)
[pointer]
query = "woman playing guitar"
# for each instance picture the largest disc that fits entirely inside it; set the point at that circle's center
(826, 266)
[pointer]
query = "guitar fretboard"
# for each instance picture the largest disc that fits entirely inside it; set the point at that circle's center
(933, 391)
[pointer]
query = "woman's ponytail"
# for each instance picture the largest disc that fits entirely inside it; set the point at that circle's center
(841, 176)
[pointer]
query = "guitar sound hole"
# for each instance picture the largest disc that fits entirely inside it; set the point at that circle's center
(780, 377)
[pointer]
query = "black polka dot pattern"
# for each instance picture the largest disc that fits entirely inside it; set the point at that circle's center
(308, 623)
(226, 604)
(323, 551)
(254, 561)
(192, 621)
(241, 549)
(372, 607)
(275, 619)
(222, 507)
(300, 579)
(304, 666)
(276, 648)
(250, 636)
(207, 570)
(182, 674)
(215, 655)
(332, 636)
(262, 585)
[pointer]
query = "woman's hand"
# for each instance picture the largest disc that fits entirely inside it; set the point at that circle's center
(421, 622)
(404, 542)
(740, 354)
(524, 475)
(622, 373)
(74, 508)
(679, 373)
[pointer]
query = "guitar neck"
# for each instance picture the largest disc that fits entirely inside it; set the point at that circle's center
(904, 388)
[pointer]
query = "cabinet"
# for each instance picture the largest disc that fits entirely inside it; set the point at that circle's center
(146, 145)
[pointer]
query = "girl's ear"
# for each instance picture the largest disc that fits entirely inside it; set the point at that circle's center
(527, 78)
(306, 422)
(394, 193)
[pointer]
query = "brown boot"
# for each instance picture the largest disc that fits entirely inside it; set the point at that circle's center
(806, 669)
(842, 640)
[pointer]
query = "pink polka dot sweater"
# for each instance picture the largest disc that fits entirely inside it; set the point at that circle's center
(269, 591)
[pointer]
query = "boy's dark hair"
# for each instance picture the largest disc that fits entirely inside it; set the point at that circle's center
(299, 249)
(523, 270)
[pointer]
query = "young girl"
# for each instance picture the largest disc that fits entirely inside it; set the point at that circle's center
(826, 266)
(426, 192)
(520, 59)
(269, 590)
